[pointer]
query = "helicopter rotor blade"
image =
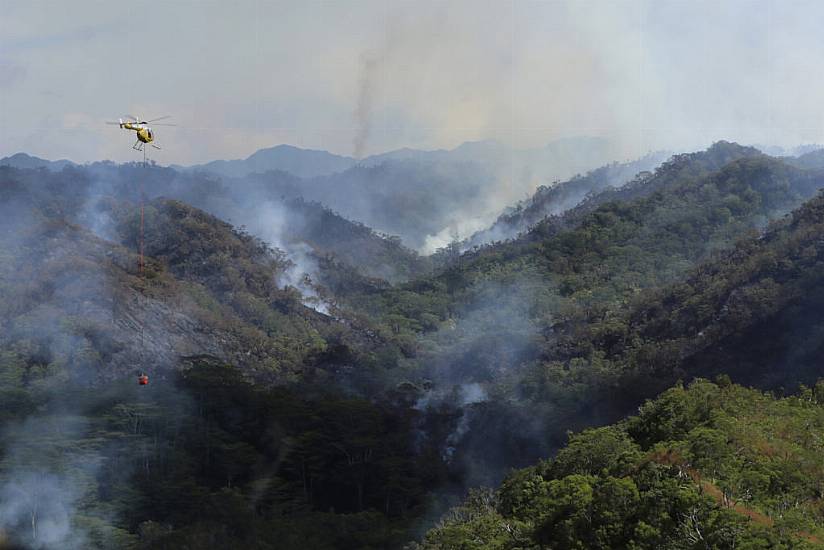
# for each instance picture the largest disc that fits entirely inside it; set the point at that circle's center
(134, 118)
(160, 118)
(163, 124)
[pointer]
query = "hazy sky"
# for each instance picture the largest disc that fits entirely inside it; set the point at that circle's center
(367, 76)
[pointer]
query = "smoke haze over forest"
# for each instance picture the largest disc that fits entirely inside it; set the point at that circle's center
(509, 274)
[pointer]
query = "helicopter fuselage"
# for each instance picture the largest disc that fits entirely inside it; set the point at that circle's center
(144, 133)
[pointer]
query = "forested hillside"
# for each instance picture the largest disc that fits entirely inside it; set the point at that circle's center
(709, 466)
(206, 289)
(425, 197)
(409, 198)
(433, 275)
(203, 458)
(597, 257)
(753, 313)
(313, 380)
(561, 196)
(532, 320)
(306, 229)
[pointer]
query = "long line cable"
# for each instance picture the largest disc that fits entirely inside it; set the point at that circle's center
(140, 245)
(140, 260)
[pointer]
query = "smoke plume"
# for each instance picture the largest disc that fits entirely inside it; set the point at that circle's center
(369, 69)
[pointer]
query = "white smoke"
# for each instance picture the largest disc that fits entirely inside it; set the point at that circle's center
(471, 393)
(467, 395)
(42, 505)
(457, 231)
(268, 223)
(300, 273)
(370, 66)
(44, 479)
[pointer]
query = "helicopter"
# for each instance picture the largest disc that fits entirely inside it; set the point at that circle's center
(145, 135)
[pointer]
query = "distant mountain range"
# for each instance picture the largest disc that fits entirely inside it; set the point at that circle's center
(573, 153)
(304, 163)
(430, 198)
(22, 160)
(562, 158)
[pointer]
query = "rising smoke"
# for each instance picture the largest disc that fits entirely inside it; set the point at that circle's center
(369, 74)
(46, 477)
(268, 221)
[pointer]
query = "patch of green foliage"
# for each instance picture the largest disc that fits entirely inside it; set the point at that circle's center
(708, 466)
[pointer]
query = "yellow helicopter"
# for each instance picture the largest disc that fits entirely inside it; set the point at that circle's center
(142, 129)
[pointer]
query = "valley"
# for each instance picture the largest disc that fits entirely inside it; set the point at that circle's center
(309, 370)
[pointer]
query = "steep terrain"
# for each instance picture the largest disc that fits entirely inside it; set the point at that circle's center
(305, 230)
(89, 459)
(428, 198)
(602, 252)
(710, 466)
(207, 289)
(530, 320)
(554, 200)
(413, 199)
(298, 394)
(753, 313)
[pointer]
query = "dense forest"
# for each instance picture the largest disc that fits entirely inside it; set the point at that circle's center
(317, 384)
(707, 466)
